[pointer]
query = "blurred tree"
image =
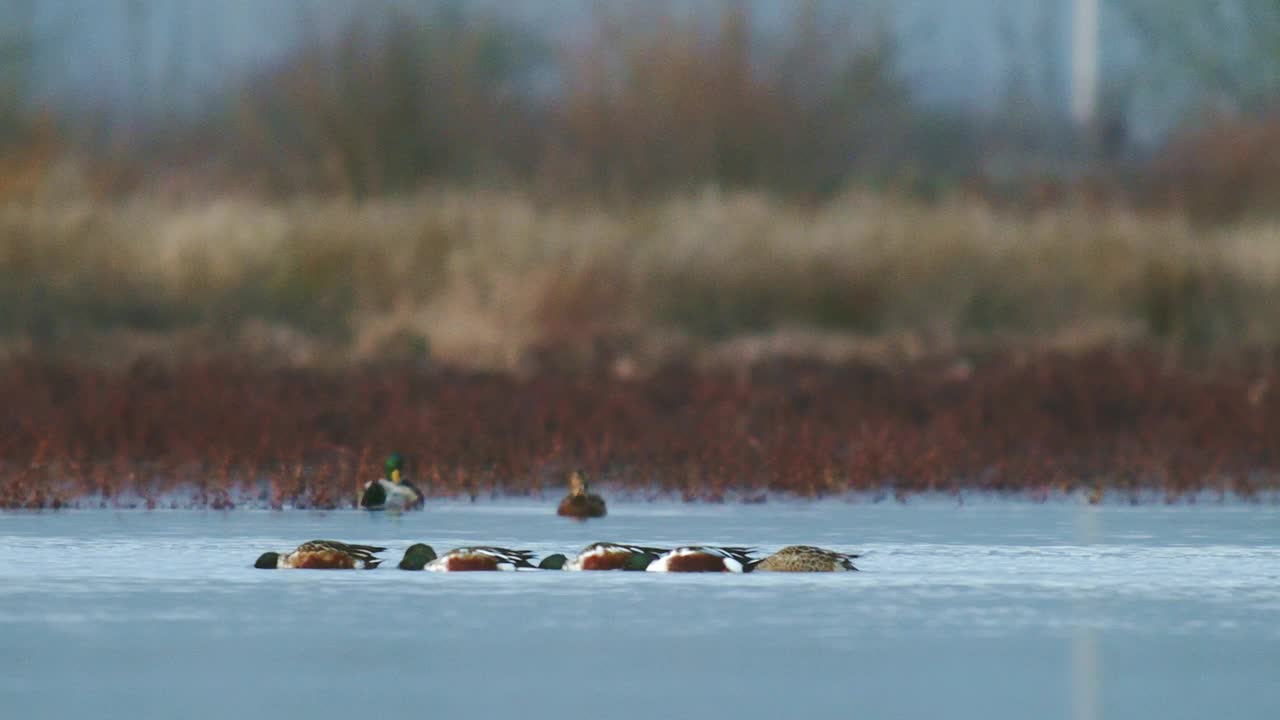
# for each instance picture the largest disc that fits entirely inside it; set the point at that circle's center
(17, 36)
(1230, 47)
(28, 141)
(655, 104)
(136, 14)
(393, 100)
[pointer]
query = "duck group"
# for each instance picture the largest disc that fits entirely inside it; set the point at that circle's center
(334, 555)
(394, 491)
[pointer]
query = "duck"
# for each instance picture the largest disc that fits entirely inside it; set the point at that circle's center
(322, 555)
(391, 491)
(613, 556)
(423, 557)
(579, 503)
(699, 558)
(806, 558)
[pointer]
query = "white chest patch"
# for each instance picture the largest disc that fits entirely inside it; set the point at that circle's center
(399, 495)
(659, 565)
(577, 563)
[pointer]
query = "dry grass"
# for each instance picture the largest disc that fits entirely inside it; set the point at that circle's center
(496, 280)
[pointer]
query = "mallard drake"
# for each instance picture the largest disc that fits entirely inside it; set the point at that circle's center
(612, 556)
(579, 503)
(323, 555)
(806, 558)
(696, 558)
(423, 557)
(392, 490)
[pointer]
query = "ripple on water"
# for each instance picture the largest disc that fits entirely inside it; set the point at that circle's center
(983, 599)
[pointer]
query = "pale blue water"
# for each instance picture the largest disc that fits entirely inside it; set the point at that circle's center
(989, 610)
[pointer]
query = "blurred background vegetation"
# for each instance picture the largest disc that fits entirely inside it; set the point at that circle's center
(617, 184)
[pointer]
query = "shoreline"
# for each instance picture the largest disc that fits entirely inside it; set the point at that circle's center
(630, 500)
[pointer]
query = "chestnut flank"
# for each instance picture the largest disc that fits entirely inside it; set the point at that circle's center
(323, 560)
(696, 562)
(471, 563)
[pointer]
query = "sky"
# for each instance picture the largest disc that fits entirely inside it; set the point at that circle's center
(957, 53)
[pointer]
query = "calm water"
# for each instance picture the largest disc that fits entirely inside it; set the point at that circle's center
(986, 610)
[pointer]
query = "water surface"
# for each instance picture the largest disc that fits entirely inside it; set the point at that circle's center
(989, 609)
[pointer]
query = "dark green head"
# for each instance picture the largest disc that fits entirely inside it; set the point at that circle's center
(267, 561)
(553, 562)
(417, 557)
(639, 561)
(393, 465)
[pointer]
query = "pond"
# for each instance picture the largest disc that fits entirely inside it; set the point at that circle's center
(987, 608)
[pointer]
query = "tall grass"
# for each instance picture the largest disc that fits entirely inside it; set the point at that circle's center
(496, 279)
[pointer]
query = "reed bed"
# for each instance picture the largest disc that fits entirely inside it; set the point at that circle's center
(223, 434)
(498, 280)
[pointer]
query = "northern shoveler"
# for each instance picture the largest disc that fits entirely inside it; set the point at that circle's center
(579, 503)
(806, 558)
(323, 555)
(391, 491)
(695, 558)
(553, 562)
(612, 556)
(465, 559)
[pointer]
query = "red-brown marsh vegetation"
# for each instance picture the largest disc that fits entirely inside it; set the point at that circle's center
(222, 434)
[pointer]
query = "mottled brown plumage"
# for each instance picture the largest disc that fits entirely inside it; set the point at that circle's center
(579, 503)
(806, 558)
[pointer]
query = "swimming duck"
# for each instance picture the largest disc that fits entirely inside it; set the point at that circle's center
(579, 503)
(806, 558)
(323, 555)
(423, 557)
(694, 558)
(391, 490)
(612, 556)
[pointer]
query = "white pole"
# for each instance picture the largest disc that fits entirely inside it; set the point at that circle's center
(1084, 62)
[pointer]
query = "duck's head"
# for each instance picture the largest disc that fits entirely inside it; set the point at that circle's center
(267, 561)
(577, 483)
(417, 557)
(553, 562)
(639, 561)
(394, 467)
